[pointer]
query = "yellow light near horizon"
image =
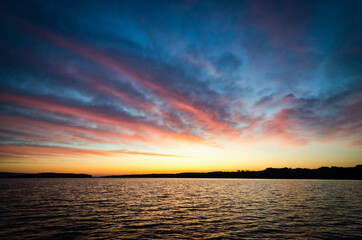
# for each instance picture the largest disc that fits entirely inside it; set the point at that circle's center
(193, 158)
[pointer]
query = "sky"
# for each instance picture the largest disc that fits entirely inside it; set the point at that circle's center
(121, 87)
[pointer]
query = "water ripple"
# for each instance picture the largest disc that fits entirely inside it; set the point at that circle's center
(180, 209)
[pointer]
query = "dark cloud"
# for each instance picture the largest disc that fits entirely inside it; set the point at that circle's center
(228, 62)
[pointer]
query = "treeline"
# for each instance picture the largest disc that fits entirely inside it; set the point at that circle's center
(277, 173)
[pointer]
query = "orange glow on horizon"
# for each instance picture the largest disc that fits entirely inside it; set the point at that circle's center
(200, 158)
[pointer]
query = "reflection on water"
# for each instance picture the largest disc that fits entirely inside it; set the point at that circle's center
(179, 208)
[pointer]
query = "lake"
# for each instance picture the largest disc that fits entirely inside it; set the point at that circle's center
(180, 209)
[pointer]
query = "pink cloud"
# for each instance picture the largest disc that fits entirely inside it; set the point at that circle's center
(20, 151)
(176, 100)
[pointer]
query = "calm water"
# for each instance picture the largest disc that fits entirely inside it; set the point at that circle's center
(180, 209)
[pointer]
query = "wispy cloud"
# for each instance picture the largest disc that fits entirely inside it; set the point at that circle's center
(265, 73)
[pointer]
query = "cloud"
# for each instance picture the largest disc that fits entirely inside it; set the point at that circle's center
(263, 74)
(13, 152)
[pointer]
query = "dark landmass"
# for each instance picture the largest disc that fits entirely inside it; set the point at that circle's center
(277, 173)
(9, 174)
(45, 175)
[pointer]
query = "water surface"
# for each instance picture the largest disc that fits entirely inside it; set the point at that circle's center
(180, 209)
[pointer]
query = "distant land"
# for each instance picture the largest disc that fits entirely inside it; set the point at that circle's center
(43, 175)
(269, 173)
(277, 173)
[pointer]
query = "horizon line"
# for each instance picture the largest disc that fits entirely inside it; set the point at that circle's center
(188, 172)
